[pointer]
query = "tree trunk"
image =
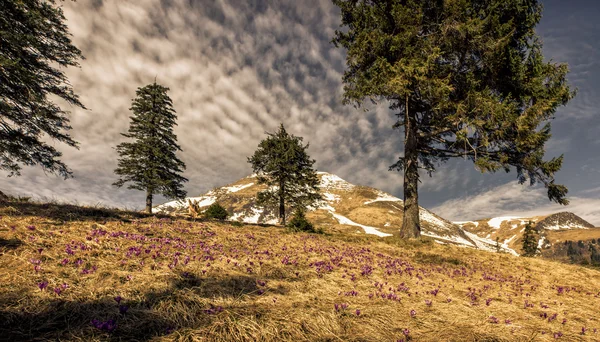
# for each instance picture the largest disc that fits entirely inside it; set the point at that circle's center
(281, 204)
(149, 201)
(411, 228)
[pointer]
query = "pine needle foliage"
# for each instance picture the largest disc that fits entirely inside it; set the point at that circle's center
(466, 79)
(530, 241)
(282, 163)
(35, 48)
(300, 223)
(150, 163)
(216, 211)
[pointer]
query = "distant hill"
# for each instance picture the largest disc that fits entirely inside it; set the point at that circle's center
(552, 229)
(347, 208)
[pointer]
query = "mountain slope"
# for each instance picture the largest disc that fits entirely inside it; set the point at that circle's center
(551, 229)
(347, 208)
(71, 273)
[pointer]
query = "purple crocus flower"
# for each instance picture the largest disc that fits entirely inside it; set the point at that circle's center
(123, 309)
(118, 299)
(42, 285)
(413, 313)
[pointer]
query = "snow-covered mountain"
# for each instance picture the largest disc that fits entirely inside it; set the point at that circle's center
(508, 230)
(347, 208)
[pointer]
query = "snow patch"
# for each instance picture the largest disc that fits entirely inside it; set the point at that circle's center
(236, 188)
(383, 197)
(331, 197)
(334, 182)
(427, 216)
(455, 239)
(461, 223)
(489, 245)
(368, 230)
(497, 221)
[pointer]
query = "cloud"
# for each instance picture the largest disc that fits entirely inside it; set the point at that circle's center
(513, 199)
(237, 69)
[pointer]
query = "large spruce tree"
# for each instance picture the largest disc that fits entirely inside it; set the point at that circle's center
(35, 47)
(466, 78)
(149, 162)
(282, 163)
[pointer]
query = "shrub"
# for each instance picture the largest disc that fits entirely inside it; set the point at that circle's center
(216, 211)
(300, 223)
(237, 224)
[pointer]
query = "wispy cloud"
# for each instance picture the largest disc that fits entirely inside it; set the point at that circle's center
(513, 199)
(237, 69)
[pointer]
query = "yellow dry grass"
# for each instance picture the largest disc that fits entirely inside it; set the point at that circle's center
(184, 280)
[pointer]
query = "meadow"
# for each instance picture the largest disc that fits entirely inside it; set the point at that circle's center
(93, 274)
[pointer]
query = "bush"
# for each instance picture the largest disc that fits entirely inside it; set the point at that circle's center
(216, 211)
(300, 223)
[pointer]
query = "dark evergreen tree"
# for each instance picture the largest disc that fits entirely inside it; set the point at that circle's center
(282, 163)
(35, 47)
(498, 247)
(530, 241)
(299, 222)
(594, 256)
(466, 78)
(216, 211)
(149, 162)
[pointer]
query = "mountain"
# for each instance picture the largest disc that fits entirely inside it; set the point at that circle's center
(552, 229)
(347, 208)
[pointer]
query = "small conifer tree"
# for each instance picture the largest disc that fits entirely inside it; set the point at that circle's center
(530, 242)
(149, 162)
(282, 163)
(216, 211)
(299, 222)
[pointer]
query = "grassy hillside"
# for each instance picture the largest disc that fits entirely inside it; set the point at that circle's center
(89, 274)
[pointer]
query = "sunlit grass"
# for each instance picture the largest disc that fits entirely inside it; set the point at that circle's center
(87, 274)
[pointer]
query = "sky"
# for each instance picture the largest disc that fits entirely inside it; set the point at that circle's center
(237, 69)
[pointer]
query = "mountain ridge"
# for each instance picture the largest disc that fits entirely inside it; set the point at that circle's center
(346, 207)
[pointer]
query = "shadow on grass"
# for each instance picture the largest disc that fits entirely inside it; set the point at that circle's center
(10, 243)
(71, 212)
(190, 303)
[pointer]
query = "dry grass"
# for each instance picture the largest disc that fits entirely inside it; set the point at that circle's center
(205, 281)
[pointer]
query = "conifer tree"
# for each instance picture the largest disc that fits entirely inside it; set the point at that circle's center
(530, 241)
(35, 47)
(149, 162)
(282, 163)
(465, 78)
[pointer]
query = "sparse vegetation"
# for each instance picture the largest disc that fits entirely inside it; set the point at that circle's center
(300, 223)
(131, 276)
(216, 211)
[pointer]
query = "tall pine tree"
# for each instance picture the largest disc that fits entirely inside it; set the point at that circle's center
(466, 79)
(282, 163)
(35, 46)
(149, 162)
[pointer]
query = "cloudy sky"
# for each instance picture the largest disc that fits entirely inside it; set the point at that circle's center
(238, 68)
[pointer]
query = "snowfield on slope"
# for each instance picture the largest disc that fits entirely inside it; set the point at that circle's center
(368, 230)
